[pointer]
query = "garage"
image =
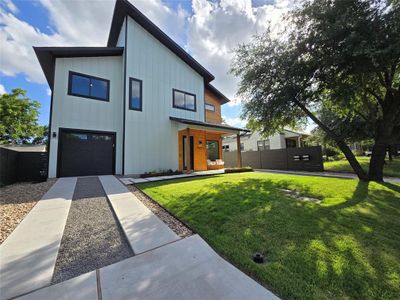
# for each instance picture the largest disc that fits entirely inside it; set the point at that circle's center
(84, 153)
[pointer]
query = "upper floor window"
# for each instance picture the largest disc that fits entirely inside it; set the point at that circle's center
(184, 100)
(210, 107)
(135, 94)
(263, 145)
(87, 86)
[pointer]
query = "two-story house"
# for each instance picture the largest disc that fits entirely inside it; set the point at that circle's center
(254, 141)
(140, 104)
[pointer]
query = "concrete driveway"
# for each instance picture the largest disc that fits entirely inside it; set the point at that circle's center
(164, 266)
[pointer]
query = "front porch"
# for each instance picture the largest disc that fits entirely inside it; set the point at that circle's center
(200, 145)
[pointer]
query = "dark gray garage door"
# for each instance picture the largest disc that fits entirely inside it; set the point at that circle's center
(82, 153)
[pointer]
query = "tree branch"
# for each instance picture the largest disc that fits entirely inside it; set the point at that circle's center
(378, 98)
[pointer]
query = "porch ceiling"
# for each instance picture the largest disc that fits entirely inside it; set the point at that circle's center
(208, 126)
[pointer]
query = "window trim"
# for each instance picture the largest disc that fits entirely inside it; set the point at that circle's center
(186, 93)
(219, 154)
(209, 104)
(70, 93)
(130, 94)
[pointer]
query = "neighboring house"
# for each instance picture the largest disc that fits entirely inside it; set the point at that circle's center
(128, 108)
(253, 141)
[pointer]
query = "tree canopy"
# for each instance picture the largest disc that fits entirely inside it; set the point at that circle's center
(335, 58)
(19, 119)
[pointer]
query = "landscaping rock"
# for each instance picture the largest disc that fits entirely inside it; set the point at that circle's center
(16, 202)
(177, 226)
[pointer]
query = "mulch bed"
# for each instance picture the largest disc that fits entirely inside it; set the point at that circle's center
(16, 201)
(177, 226)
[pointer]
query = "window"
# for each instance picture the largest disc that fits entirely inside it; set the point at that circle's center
(184, 100)
(263, 145)
(225, 148)
(290, 143)
(209, 107)
(88, 86)
(212, 150)
(135, 94)
(241, 146)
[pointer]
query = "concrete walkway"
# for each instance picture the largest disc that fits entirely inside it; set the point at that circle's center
(185, 269)
(143, 229)
(164, 267)
(325, 174)
(128, 180)
(28, 255)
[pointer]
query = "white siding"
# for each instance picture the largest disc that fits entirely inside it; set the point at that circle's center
(151, 139)
(82, 113)
(276, 141)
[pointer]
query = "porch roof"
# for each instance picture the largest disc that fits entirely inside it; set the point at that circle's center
(208, 125)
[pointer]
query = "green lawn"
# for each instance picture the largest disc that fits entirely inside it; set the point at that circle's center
(392, 168)
(347, 247)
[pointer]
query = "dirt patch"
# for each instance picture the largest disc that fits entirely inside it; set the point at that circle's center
(177, 226)
(16, 201)
(297, 196)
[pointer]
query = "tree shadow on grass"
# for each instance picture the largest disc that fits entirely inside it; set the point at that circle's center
(348, 250)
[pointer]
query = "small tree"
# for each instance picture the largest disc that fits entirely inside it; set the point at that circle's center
(19, 118)
(343, 56)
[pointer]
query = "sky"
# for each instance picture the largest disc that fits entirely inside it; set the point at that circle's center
(208, 30)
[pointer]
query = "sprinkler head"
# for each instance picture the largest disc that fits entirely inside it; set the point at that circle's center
(258, 257)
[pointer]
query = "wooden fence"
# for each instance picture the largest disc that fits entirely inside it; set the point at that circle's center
(18, 166)
(295, 159)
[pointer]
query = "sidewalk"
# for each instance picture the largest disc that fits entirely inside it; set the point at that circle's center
(325, 174)
(185, 269)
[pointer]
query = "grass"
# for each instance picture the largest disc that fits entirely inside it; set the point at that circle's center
(347, 247)
(392, 168)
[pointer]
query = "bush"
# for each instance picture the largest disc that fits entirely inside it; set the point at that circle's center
(239, 170)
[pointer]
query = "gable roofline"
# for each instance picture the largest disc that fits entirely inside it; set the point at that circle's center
(125, 8)
(48, 55)
(217, 93)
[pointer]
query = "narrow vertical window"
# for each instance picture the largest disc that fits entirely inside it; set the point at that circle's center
(135, 94)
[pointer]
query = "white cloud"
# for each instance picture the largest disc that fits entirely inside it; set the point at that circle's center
(74, 23)
(48, 92)
(210, 34)
(216, 29)
(2, 89)
(236, 122)
(9, 5)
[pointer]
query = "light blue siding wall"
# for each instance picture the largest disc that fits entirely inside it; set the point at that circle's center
(82, 113)
(151, 139)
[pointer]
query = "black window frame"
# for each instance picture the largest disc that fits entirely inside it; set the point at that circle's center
(219, 155)
(130, 93)
(70, 93)
(185, 93)
(209, 104)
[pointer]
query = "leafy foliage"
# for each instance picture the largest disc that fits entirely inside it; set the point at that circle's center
(19, 119)
(338, 63)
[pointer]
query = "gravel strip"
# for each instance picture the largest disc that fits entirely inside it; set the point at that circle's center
(16, 200)
(177, 226)
(92, 237)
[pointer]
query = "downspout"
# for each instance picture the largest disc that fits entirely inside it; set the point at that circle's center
(124, 98)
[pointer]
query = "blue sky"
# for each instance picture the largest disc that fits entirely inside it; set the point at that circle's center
(208, 30)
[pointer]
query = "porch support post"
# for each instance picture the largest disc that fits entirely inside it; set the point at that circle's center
(187, 158)
(299, 141)
(239, 151)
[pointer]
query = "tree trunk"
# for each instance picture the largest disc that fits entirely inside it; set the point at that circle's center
(341, 144)
(377, 161)
(390, 152)
(352, 160)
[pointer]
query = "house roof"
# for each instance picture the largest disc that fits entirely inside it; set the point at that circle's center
(124, 8)
(206, 124)
(217, 93)
(47, 56)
